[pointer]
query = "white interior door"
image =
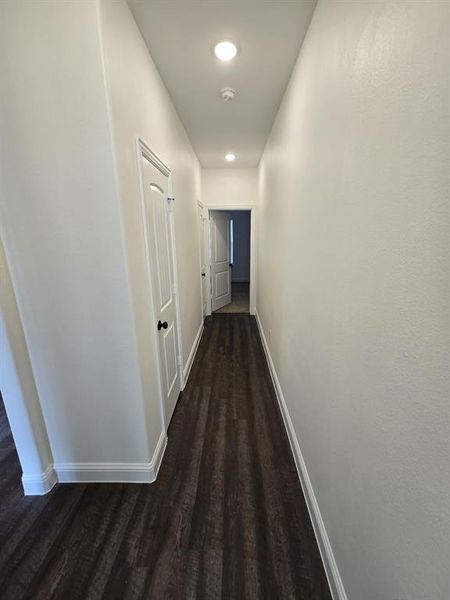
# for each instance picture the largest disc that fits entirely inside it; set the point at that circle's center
(160, 248)
(203, 265)
(220, 259)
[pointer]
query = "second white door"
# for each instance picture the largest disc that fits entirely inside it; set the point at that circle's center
(220, 259)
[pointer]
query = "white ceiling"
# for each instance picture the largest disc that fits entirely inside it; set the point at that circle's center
(180, 35)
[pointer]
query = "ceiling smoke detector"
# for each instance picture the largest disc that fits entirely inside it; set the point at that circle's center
(227, 93)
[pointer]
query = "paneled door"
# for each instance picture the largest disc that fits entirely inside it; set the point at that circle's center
(220, 259)
(160, 249)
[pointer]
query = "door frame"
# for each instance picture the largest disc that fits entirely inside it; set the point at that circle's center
(203, 239)
(253, 239)
(143, 151)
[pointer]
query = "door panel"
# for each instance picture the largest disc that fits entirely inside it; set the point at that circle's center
(220, 259)
(170, 354)
(159, 205)
(222, 284)
(222, 240)
(158, 230)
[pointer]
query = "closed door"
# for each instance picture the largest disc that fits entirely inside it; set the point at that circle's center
(203, 270)
(220, 259)
(159, 240)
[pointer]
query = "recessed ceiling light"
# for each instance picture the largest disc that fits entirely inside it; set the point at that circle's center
(230, 157)
(225, 50)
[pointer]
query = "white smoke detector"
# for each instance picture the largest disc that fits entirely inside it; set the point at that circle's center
(228, 94)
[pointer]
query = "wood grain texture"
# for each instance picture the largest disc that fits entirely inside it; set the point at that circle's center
(225, 519)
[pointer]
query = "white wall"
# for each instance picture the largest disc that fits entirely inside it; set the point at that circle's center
(241, 258)
(229, 186)
(64, 236)
(353, 286)
(239, 187)
(140, 106)
(75, 98)
(19, 393)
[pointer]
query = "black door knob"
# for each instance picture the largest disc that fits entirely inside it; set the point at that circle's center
(203, 274)
(163, 325)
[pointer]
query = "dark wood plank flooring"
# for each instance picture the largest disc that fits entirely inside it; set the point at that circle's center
(225, 519)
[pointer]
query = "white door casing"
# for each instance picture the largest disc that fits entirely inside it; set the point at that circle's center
(203, 259)
(160, 246)
(220, 259)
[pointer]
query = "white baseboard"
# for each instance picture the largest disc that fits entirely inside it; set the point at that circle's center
(159, 453)
(40, 483)
(326, 552)
(192, 353)
(113, 472)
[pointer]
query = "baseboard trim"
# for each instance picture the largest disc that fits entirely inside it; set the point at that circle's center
(159, 453)
(192, 353)
(331, 569)
(40, 483)
(113, 472)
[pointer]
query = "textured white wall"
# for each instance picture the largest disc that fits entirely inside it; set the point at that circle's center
(62, 232)
(140, 105)
(353, 286)
(229, 186)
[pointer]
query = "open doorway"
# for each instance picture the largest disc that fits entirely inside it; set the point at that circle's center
(230, 264)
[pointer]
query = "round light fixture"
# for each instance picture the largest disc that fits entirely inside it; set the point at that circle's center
(230, 157)
(225, 50)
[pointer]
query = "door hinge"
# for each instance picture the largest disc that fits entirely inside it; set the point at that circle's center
(174, 289)
(170, 202)
(179, 361)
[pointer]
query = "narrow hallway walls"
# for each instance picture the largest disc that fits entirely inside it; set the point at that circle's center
(353, 286)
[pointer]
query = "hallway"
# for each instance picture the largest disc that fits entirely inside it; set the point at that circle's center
(224, 300)
(226, 517)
